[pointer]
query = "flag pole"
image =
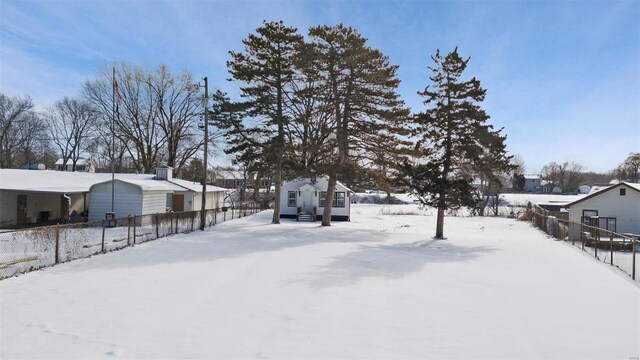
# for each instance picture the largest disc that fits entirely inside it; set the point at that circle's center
(113, 141)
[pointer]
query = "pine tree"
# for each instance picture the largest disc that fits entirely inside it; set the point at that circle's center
(360, 88)
(265, 70)
(452, 133)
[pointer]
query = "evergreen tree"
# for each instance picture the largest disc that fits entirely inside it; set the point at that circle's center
(360, 88)
(265, 70)
(451, 133)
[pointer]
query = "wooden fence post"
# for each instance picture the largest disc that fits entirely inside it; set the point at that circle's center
(57, 243)
(103, 229)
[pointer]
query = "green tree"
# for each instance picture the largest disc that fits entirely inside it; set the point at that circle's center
(452, 132)
(361, 90)
(265, 71)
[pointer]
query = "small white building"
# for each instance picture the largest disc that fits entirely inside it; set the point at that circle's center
(149, 194)
(617, 208)
(308, 197)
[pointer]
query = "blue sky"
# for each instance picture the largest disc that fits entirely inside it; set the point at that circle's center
(563, 77)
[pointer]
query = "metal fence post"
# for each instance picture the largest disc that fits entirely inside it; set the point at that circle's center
(103, 228)
(57, 243)
(192, 221)
(611, 247)
(596, 241)
(582, 235)
(134, 230)
(129, 230)
(157, 226)
(176, 216)
(633, 272)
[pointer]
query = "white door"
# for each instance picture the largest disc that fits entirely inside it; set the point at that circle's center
(307, 201)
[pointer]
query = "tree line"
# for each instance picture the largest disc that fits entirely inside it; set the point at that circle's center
(321, 103)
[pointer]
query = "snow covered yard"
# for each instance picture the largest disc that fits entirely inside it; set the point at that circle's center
(377, 287)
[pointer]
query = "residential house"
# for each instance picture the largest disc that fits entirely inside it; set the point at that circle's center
(82, 165)
(306, 198)
(615, 208)
(29, 197)
(532, 183)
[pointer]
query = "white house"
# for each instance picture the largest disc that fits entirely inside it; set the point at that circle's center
(532, 183)
(149, 194)
(82, 165)
(617, 208)
(307, 197)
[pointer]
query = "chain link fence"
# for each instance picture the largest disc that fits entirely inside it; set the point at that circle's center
(609, 247)
(34, 248)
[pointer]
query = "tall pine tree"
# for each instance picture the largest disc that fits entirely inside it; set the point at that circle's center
(452, 133)
(360, 88)
(265, 70)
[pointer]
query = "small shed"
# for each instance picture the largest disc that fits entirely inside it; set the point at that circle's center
(307, 196)
(131, 197)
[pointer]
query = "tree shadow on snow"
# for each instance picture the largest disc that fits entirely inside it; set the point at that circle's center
(228, 242)
(390, 261)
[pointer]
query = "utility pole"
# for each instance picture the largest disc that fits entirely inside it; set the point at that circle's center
(203, 215)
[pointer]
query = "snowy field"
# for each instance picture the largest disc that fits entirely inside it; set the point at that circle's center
(377, 287)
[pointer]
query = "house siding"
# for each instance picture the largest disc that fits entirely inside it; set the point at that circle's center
(626, 209)
(154, 202)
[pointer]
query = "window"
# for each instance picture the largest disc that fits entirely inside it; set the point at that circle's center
(169, 202)
(291, 199)
(623, 192)
(338, 199)
(587, 215)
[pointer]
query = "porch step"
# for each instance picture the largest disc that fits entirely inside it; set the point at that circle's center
(305, 217)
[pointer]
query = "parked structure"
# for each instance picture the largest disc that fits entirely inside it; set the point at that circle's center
(306, 198)
(615, 208)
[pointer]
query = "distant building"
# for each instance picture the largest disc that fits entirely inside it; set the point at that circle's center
(584, 189)
(82, 165)
(532, 183)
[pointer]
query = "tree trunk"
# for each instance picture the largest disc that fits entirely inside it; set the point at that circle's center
(440, 224)
(276, 204)
(328, 203)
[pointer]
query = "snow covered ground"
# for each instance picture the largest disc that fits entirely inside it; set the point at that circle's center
(376, 287)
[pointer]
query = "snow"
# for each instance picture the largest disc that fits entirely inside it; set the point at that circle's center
(376, 287)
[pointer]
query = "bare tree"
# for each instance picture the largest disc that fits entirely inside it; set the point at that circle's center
(72, 122)
(179, 108)
(567, 176)
(18, 125)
